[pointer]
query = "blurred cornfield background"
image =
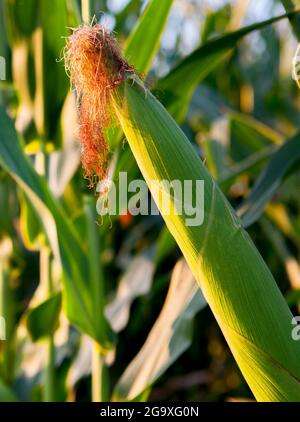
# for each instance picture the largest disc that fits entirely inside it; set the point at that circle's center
(101, 309)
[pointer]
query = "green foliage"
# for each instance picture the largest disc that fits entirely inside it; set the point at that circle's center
(178, 88)
(110, 299)
(143, 42)
(64, 240)
(42, 320)
(282, 160)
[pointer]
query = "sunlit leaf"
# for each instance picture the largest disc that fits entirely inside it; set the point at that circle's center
(143, 42)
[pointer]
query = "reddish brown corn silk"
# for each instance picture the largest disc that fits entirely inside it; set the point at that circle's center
(96, 67)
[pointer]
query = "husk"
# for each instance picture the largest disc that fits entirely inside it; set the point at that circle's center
(235, 281)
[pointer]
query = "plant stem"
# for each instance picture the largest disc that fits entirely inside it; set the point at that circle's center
(99, 370)
(3, 315)
(7, 316)
(99, 375)
(86, 11)
(45, 280)
(49, 395)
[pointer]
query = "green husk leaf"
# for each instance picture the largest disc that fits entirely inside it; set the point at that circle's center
(234, 279)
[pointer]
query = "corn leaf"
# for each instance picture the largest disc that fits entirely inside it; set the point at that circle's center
(253, 127)
(21, 18)
(63, 239)
(52, 82)
(164, 245)
(3, 34)
(248, 165)
(97, 287)
(295, 20)
(269, 180)
(6, 393)
(142, 45)
(143, 42)
(42, 321)
(7, 211)
(132, 9)
(251, 144)
(30, 227)
(248, 135)
(178, 86)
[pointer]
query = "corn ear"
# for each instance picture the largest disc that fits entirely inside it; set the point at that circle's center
(234, 279)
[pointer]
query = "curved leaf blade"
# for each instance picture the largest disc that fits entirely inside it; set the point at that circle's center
(269, 180)
(178, 86)
(143, 42)
(64, 240)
